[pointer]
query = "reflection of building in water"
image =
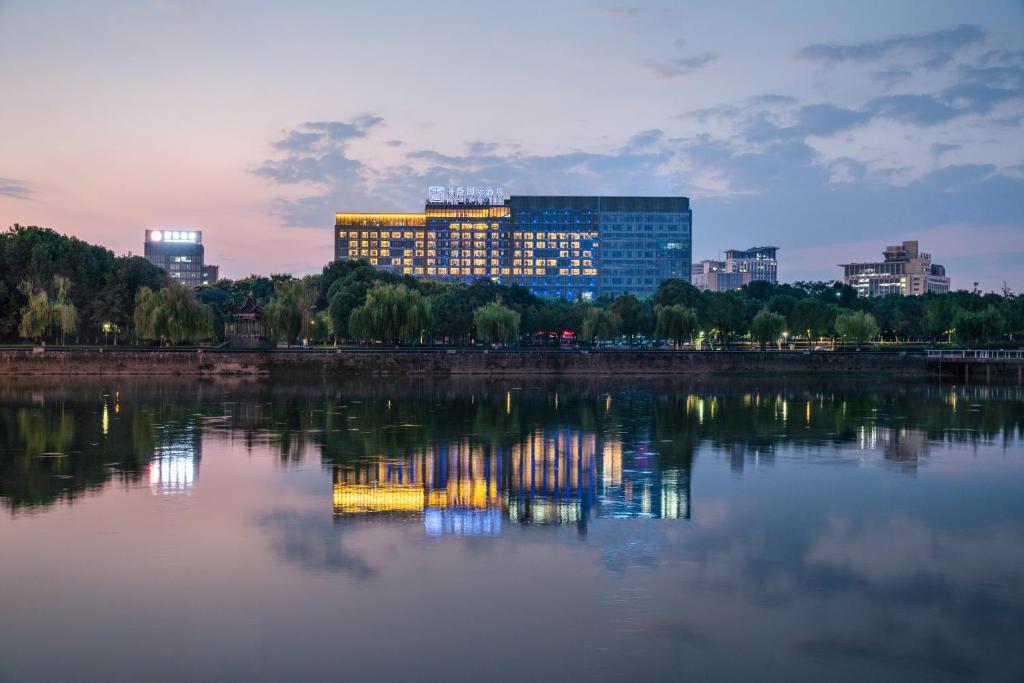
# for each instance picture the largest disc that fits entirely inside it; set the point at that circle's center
(551, 478)
(174, 466)
(903, 445)
(559, 476)
(643, 487)
(454, 488)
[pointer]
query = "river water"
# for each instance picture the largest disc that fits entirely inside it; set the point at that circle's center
(510, 530)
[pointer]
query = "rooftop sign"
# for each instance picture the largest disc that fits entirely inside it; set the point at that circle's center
(187, 236)
(482, 196)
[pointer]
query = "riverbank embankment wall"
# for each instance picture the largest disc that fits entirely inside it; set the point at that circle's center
(444, 362)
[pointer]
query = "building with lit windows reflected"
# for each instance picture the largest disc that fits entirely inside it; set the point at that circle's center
(568, 247)
(549, 477)
(174, 466)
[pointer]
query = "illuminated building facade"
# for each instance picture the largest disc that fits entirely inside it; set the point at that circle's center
(569, 247)
(904, 270)
(179, 252)
(465, 243)
(555, 245)
(761, 262)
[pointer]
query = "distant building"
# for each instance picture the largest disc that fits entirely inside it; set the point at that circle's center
(724, 281)
(904, 270)
(211, 274)
(697, 278)
(760, 262)
(715, 276)
(740, 267)
(179, 252)
(569, 247)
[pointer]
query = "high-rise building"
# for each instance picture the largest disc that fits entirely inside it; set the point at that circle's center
(570, 247)
(904, 270)
(760, 262)
(180, 253)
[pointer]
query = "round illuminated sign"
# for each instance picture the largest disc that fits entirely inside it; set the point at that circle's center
(156, 236)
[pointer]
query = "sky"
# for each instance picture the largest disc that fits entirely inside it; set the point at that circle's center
(828, 129)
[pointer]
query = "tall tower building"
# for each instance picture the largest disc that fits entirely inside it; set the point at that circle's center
(179, 252)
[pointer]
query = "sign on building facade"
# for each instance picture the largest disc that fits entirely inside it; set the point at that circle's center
(483, 196)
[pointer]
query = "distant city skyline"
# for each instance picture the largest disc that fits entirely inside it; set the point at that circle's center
(816, 127)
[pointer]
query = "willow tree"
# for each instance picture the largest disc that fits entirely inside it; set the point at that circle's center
(391, 313)
(172, 315)
(36, 315)
(599, 324)
(65, 315)
(858, 326)
(288, 314)
(767, 327)
(496, 323)
(978, 326)
(676, 322)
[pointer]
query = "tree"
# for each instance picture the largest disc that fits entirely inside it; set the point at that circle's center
(171, 314)
(114, 303)
(978, 327)
(858, 326)
(726, 315)
(392, 313)
(65, 316)
(599, 324)
(813, 318)
(101, 286)
(288, 313)
(767, 327)
(674, 291)
(496, 323)
(348, 290)
(676, 322)
(938, 315)
(634, 315)
(552, 317)
(36, 315)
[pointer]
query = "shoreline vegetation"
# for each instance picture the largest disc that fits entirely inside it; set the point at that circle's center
(59, 290)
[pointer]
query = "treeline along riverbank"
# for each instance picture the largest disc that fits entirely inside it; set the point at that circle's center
(446, 361)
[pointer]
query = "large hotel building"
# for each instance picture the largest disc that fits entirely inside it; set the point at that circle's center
(569, 247)
(904, 270)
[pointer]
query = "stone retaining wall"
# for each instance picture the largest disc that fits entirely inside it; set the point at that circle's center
(448, 362)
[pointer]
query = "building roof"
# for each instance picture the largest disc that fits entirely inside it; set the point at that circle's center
(248, 307)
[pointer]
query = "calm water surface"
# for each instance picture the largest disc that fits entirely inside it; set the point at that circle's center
(510, 530)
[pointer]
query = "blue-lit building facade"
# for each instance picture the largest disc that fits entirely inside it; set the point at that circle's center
(568, 247)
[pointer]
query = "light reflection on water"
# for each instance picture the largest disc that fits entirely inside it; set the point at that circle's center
(838, 530)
